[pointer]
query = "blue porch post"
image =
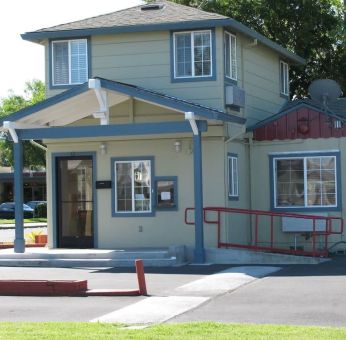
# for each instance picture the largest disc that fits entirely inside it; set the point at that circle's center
(19, 243)
(199, 255)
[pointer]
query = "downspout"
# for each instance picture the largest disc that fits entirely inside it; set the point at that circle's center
(199, 253)
(40, 146)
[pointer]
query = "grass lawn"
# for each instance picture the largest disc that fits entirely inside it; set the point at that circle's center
(26, 220)
(202, 330)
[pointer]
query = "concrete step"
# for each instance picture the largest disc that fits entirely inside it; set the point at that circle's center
(105, 255)
(90, 263)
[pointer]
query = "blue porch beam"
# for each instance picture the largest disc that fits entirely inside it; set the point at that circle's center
(199, 254)
(112, 130)
(19, 243)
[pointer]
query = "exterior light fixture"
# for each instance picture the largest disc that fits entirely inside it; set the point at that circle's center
(177, 145)
(103, 148)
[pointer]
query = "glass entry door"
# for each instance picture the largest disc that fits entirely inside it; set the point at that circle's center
(75, 202)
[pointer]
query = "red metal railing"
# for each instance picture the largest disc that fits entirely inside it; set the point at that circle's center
(217, 212)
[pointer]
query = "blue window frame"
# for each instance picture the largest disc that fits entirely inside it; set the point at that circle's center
(69, 62)
(230, 46)
(166, 192)
(233, 176)
(305, 181)
(193, 55)
(132, 187)
(284, 79)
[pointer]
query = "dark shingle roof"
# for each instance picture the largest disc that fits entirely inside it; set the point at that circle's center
(171, 16)
(169, 13)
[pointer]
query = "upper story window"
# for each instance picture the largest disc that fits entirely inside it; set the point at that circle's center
(230, 56)
(192, 54)
(309, 181)
(284, 78)
(69, 62)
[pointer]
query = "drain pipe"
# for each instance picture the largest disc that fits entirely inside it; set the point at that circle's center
(38, 145)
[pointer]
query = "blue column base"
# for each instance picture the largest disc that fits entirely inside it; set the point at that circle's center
(199, 256)
(19, 245)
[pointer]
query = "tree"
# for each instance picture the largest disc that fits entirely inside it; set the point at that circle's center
(313, 29)
(34, 157)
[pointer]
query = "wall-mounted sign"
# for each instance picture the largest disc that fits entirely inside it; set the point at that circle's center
(103, 184)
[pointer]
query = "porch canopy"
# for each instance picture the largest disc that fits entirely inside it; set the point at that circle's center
(52, 119)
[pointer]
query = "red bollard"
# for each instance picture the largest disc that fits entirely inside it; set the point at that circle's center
(140, 277)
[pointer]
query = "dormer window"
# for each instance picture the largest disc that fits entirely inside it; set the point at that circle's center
(192, 54)
(284, 78)
(69, 62)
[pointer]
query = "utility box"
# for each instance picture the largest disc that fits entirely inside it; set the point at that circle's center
(302, 225)
(235, 96)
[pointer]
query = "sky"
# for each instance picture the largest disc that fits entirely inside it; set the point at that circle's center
(22, 61)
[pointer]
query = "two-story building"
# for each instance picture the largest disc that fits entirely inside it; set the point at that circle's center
(145, 116)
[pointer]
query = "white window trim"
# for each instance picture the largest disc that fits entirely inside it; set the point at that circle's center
(284, 81)
(133, 211)
(229, 36)
(233, 186)
(305, 206)
(69, 56)
(192, 33)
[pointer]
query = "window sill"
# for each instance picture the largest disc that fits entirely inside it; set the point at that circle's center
(62, 87)
(230, 81)
(286, 96)
(133, 214)
(175, 208)
(294, 209)
(233, 198)
(193, 79)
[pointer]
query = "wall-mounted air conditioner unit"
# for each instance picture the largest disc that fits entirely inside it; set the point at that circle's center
(235, 96)
(300, 225)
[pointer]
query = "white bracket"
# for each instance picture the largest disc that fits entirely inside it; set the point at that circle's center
(101, 95)
(9, 126)
(190, 116)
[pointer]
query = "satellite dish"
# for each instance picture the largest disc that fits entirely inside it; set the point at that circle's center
(324, 91)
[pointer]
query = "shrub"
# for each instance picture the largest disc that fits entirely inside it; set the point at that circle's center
(41, 210)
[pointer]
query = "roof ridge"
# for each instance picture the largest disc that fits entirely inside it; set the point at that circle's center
(92, 17)
(173, 4)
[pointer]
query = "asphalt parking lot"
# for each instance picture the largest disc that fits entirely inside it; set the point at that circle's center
(160, 282)
(296, 294)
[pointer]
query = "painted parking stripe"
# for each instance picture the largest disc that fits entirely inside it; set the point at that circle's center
(226, 280)
(153, 310)
(160, 309)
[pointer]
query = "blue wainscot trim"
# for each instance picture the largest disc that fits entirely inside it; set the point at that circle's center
(50, 63)
(174, 179)
(108, 130)
(293, 209)
(133, 214)
(55, 192)
(213, 58)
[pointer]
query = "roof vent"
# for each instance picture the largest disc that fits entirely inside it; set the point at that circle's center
(151, 7)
